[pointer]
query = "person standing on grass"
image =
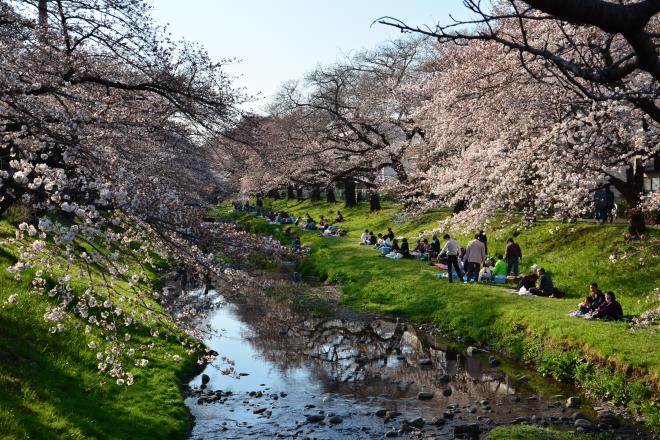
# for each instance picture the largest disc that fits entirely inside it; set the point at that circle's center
(474, 257)
(482, 238)
(451, 251)
(512, 255)
(609, 203)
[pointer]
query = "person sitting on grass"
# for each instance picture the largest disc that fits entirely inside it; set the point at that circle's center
(372, 238)
(299, 221)
(389, 235)
(422, 248)
(395, 246)
(323, 222)
(485, 274)
(295, 245)
(610, 309)
(380, 241)
(583, 307)
(597, 297)
(405, 248)
(364, 238)
(528, 281)
(310, 224)
(545, 286)
(592, 302)
(500, 266)
(339, 217)
(434, 247)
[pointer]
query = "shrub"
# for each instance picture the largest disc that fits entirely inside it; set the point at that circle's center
(18, 213)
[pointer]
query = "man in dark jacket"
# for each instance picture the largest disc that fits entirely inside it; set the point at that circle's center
(512, 255)
(546, 287)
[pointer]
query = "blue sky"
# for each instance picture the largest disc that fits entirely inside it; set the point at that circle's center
(281, 40)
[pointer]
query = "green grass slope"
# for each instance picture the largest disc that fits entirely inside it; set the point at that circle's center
(533, 329)
(49, 387)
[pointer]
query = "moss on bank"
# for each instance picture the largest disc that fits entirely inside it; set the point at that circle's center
(607, 358)
(50, 387)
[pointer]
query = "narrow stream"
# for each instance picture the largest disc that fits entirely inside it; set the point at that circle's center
(362, 377)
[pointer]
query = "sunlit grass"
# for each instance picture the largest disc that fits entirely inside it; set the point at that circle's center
(50, 387)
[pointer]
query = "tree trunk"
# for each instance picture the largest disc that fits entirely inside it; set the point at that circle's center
(315, 194)
(330, 196)
(289, 193)
(274, 194)
(349, 193)
(374, 201)
(359, 197)
(631, 190)
(43, 20)
(299, 194)
(399, 169)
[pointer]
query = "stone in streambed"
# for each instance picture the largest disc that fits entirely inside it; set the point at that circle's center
(438, 421)
(471, 429)
(424, 362)
(573, 402)
(315, 418)
(205, 379)
(425, 395)
(381, 412)
(443, 378)
(584, 424)
(608, 419)
(259, 410)
(446, 392)
(473, 350)
(579, 415)
(335, 419)
(493, 361)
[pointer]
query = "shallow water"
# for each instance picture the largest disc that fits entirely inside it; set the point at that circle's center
(293, 367)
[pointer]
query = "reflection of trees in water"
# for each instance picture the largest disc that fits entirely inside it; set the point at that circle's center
(362, 355)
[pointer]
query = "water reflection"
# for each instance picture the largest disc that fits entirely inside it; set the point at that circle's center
(319, 367)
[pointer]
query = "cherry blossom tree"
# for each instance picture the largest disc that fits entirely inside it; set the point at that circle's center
(105, 125)
(606, 50)
(343, 123)
(512, 136)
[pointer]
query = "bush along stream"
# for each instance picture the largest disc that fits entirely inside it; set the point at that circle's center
(323, 371)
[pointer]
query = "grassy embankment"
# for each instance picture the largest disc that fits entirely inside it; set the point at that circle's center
(605, 357)
(49, 384)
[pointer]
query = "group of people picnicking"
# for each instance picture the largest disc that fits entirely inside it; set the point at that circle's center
(598, 305)
(468, 264)
(471, 264)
